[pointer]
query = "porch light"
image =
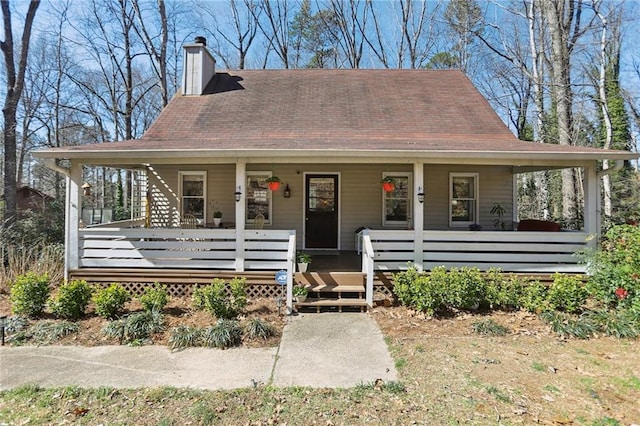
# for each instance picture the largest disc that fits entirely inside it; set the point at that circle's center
(287, 192)
(86, 189)
(420, 195)
(238, 194)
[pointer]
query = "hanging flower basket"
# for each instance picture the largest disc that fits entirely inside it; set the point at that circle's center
(388, 184)
(388, 187)
(274, 186)
(273, 182)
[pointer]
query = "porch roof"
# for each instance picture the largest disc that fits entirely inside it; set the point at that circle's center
(301, 114)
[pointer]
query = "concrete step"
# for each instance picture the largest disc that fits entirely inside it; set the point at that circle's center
(319, 303)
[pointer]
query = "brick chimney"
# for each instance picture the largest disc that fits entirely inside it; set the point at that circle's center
(199, 67)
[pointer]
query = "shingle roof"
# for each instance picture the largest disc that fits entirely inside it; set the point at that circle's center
(329, 110)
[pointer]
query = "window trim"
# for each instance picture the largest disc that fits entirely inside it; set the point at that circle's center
(476, 189)
(202, 173)
(398, 223)
(265, 174)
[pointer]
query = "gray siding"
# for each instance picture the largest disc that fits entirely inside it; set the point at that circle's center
(360, 194)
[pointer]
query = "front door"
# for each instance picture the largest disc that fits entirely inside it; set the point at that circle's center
(321, 211)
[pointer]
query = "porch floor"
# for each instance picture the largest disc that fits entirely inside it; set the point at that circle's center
(334, 261)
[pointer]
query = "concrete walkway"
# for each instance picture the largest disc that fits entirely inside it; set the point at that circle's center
(316, 350)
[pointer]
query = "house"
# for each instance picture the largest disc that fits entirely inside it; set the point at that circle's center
(331, 137)
(29, 198)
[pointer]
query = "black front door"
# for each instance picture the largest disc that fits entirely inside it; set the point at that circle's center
(321, 211)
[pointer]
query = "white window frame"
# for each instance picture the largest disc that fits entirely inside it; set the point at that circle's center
(265, 175)
(476, 199)
(386, 195)
(203, 174)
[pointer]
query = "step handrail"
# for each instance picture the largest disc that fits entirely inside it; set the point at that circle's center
(291, 264)
(368, 265)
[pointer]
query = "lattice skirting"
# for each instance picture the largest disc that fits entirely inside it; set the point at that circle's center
(382, 294)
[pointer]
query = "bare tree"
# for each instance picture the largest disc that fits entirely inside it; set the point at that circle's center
(244, 23)
(157, 51)
(274, 25)
(14, 86)
(565, 27)
(351, 18)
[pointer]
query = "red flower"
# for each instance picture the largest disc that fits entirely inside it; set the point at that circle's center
(621, 293)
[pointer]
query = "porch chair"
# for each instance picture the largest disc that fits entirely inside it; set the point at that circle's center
(188, 221)
(258, 221)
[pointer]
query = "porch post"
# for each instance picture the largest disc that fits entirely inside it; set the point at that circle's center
(241, 169)
(418, 215)
(591, 202)
(73, 210)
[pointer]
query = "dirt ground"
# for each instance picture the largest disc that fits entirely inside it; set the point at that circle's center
(177, 312)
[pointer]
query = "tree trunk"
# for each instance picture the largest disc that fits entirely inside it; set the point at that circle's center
(562, 94)
(15, 84)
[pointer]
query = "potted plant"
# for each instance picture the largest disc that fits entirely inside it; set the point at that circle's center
(273, 182)
(217, 217)
(303, 259)
(300, 292)
(388, 184)
(499, 211)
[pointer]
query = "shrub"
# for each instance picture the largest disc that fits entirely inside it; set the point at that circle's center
(72, 299)
(534, 297)
(44, 332)
(225, 334)
(184, 336)
(504, 291)
(154, 298)
(567, 293)
(135, 327)
(29, 294)
(221, 303)
(463, 288)
(259, 329)
(616, 265)
(403, 285)
(110, 301)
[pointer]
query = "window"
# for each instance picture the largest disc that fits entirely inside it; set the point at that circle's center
(258, 196)
(193, 190)
(397, 203)
(463, 195)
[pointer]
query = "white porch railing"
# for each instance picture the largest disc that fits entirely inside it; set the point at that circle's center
(184, 248)
(535, 252)
(368, 265)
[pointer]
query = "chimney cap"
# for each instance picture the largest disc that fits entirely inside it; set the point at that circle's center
(201, 40)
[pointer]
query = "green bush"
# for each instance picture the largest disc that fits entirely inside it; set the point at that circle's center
(463, 288)
(534, 297)
(110, 301)
(225, 334)
(567, 293)
(259, 329)
(504, 291)
(615, 268)
(154, 298)
(221, 303)
(135, 328)
(29, 294)
(419, 290)
(72, 299)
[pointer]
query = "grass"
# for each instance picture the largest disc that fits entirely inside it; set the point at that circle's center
(488, 327)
